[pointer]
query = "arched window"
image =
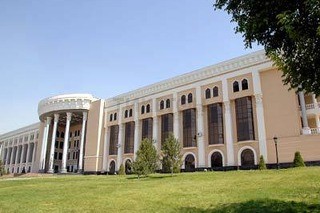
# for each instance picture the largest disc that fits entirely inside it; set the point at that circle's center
(62, 135)
(189, 163)
(168, 103)
(130, 113)
(142, 109)
(244, 84)
(128, 166)
(162, 104)
(190, 98)
(247, 157)
(112, 167)
(111, 117)
(57, 134)
(115, 116)
(148, 108)
(216, 160)
(208, 93)
(126, 114)
(235, 86)
(215, 91)
(183, 100)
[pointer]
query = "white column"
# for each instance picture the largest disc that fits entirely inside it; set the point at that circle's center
(22, 153)
(33, 154)
(155, 124)
(315, 101)
(200, 129)
(53, 141)
(83, 135)
(7, 157)
(317, 123)
(120, 145)
(66, 143)
(11, 157)
(44, 144)
(136, 129)
(228, 124)
(105, 163)
(176, 120)
(16, 156)
(1, 151)
(260, 115)
(305, 127)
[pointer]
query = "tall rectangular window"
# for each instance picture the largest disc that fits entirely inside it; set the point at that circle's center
(189, 128)
(129, 138)
(147, 128)
(166, 126)
(114, 133)
(215, 124)
(244, 117)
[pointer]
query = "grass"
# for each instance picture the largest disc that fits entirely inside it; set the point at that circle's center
(292, 190)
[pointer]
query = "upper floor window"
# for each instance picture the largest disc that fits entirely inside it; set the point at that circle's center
(183, 100)
(190, 98)
(126, 114)
(215, 92)
(142, 109)
(111, 117)
(244, 84)
(208, 93)
(235, 86)
(148, 108)
(130, 113)
(168, 103)
(244, 119)
(162, 104)
(115, 116)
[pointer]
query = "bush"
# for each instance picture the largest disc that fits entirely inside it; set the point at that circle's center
(262, 164)
(171, 155)
(298, 160)
(122, 170)
(2, 169)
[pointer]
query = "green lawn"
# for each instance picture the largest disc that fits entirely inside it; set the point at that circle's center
(292, 190)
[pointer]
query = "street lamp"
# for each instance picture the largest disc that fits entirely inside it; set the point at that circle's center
(275, 139)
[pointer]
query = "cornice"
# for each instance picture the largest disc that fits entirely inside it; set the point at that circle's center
(20, 131)
(232, 65)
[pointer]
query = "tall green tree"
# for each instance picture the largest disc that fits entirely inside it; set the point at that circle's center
(171, 155)
(147, 159)
(289, 30)
(2, 169)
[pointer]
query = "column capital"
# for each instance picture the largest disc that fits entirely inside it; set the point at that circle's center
(85, 115)
(258, 98)
(56, 117)
(69, 115)
(48, 120)
(227, 105)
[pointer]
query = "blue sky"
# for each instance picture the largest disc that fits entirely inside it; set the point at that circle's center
(102, 47)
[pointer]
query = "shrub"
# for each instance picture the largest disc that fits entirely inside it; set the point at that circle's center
(2, 170)
(262, 164)
(298, 160)
(122, 170)
(171, 152)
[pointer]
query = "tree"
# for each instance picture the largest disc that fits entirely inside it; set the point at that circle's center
(2, 169)
(171, 155)
(147, 159)
(122, 170)
(262, 164)
(298, 160)
(289, 30)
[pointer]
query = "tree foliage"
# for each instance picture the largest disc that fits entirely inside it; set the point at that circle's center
(298, 160)
(289, 30)
(147, 159)
(262, 164)
(122, 170)
(2, 169)
(171, 155)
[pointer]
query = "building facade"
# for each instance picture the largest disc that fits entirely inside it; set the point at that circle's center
(224, 116)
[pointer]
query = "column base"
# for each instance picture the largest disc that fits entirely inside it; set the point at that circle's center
(50, 171)
(80, 171)
(306, 131)
(63, 171)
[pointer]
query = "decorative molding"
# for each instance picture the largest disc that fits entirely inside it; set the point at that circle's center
(239, 63)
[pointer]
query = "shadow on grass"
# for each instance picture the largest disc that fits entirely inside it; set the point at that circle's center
(268, 206)
(151, 177)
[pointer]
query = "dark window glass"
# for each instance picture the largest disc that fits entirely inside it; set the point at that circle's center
(189, 128)
(62, 134)
(128, 166)
(215, 124)
(114, 133)
(190, 98)
(111, 116)
(142, 109)
(189, 163)
(208, 93)
(244, 84)
(61, 145)
(130, 113)
(216, 160)
(148, 108)
(235, 86)
(129, 137)
(57, 134)
(162, 104)
(126, 114)
(183, 100)
(60, 156)
(147, 128)
(168, 103)
(56, 144)
(247, 158)
(166, 126)
(112, 167)
(115, 116)
(244, 117)
(215, 92)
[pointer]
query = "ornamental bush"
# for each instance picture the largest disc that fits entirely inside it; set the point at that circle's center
(298, 160)
(262, 164)
(122, 170)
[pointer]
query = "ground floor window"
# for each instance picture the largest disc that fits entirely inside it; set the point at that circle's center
(128, 168)
(216, 160)
(112, 167)
(189, 163)
(247, 157)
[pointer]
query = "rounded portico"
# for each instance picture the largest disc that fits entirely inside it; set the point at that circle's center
(64, 120)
